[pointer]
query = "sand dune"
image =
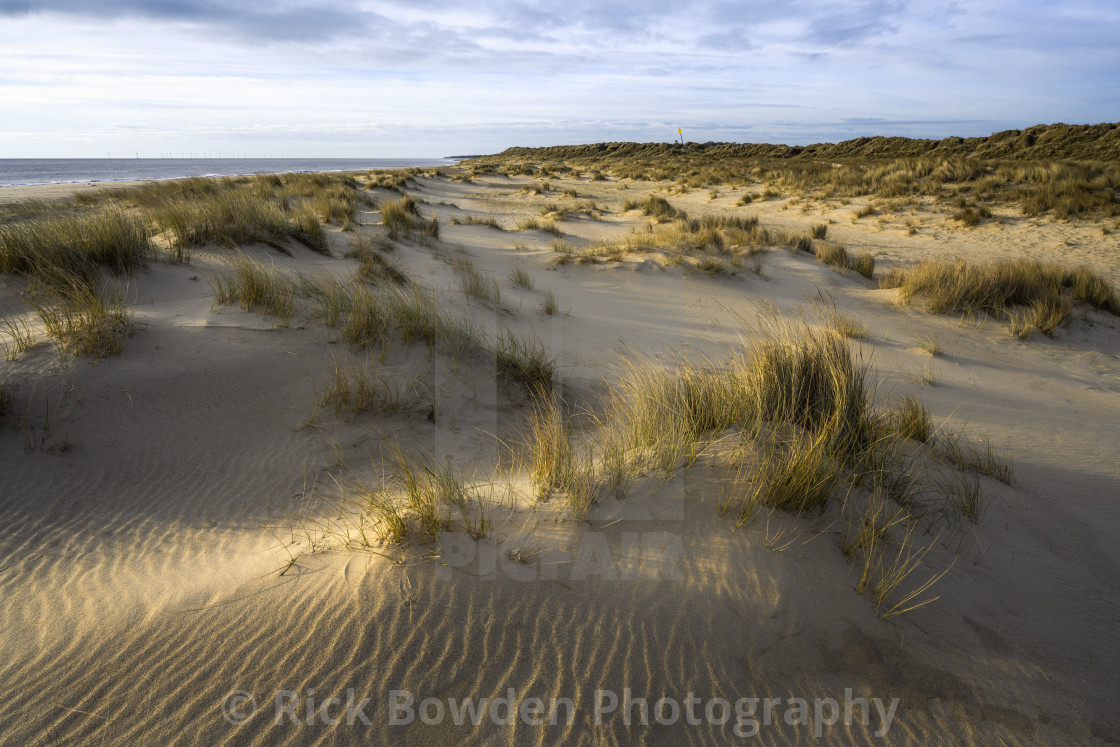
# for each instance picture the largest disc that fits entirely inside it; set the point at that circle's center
(158, 554)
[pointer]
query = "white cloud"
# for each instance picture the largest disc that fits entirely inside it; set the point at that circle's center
(395, 79)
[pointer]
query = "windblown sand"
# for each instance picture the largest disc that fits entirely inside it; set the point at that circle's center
(153, 559)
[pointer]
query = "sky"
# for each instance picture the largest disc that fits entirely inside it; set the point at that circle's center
(331, 78)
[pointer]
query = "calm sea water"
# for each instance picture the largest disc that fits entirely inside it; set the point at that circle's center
(19, 172)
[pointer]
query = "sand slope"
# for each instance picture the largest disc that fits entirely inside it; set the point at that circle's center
(150, 563)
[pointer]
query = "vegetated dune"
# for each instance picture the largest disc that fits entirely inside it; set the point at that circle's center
(1097, 142)
(309, 476)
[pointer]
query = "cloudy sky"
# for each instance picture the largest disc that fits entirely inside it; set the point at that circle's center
(83, 78)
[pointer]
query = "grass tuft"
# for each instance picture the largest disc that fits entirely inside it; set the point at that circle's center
(930, 345)
(360, 386)
(64, 246)
(87, 317)
(254, 285)
(547, 226)
(1029, 294)
(660, 210)
(400, 217)
(521, 277)
(910, 419)
(837, 256)
(22, 338)
(524, 362)
(473, 282)
(845, 325)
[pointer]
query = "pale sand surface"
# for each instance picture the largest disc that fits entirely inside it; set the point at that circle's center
(9, 195)
(147, 504)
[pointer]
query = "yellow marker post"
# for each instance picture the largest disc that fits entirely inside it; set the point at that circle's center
(679, 132)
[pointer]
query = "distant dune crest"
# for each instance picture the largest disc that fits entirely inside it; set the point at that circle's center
(1099, 142)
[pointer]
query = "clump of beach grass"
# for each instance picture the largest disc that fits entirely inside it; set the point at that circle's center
(430, 492)
(68, 260)
(394, 180)
(551, 450)
(1029, 294)
(557, 212)
(524, 361)
(802, 430)
(791, 473)
(929, 345)
(269, 208)
(87, 316)
(68, 246)
(361, 385)
(844, 325)
(980, 457)
(565, 250)
(1044, 314)
(910, 419)
(891, 571)
(720, 244)
(402, 219)
(813, 385)
(972, 216)
(656, 207)
(711, 265)
(21, 337)
(340, 203)
(837, 256)
(235, 218)
(547, 226)
(472, 220)
(548, 306)
(399, 216)
(377, 269)
(332, 295)
(305, 227)
(473, 282)
(521, 277)
(252, 284)
(556, 464)
(537, 188)
(372, 265)
(368, 316)
(416, 499)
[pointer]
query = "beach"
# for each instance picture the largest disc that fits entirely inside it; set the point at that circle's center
(185, 560)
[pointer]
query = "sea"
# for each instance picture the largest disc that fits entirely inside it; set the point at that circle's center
(23, 172)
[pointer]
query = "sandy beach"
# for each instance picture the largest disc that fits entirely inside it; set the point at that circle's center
(175, 567)
(51, 192)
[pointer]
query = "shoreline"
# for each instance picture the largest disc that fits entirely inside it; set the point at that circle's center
(55, 192)
(19, 192)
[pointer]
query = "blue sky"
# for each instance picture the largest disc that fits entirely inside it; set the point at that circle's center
(84, 78)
